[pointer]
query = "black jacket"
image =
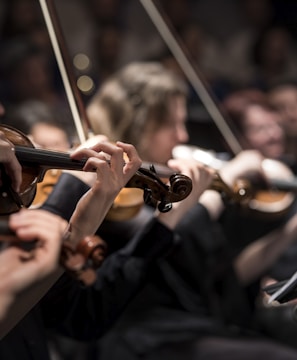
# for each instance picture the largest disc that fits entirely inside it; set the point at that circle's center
(87, 313)
(191, 293)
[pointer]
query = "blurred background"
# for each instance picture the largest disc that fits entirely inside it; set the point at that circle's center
(231, 44)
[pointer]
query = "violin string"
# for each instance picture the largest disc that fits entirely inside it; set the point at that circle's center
(48, 158)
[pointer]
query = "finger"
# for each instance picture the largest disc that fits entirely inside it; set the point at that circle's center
(102, 150)
(36, 224)
(134, 161)
(95, 139)
(98, 165)
(115, 155)
(104, 146)
(88, 155)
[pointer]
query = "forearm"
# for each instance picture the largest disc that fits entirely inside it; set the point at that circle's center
(67, 193)
(65, 196)
(89, 214)
(213, 203)
(118, 280)
(256, 258)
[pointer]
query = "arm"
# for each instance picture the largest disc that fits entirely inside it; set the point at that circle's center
(25, 275)
(261, 254)
(256, 258)
(110, 178)
(245, 165)
(123, 273)
(201, 177)
(86, 313)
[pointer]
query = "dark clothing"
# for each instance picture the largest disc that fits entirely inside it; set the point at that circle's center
(213, 348)
(242, 227)
(158, 297)
(79, 312)
(27, 340)
(192, 306)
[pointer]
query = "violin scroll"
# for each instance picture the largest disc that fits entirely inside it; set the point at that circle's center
(35, 162)
(154, 190)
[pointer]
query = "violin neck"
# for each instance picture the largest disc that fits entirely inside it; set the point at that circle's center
(161, 170)
(47, 159)
(284, 185)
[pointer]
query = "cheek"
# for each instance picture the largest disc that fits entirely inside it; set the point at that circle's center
(159, 148)
(255, 138)
(2, 110)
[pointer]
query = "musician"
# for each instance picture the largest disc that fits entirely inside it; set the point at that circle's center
(18, 270)
(142, 99)
(284, 97)
(182, 295)
(21, 270)
(48, 127)
(257, 123)
(27, 337)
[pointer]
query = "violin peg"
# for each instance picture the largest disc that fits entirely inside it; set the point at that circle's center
(92, 248)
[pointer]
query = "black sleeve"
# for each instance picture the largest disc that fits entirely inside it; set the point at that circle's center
(209, 267)
(86, 313)
(196, 249)
(65, 195)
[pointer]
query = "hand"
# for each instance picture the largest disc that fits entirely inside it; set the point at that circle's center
(86, 177)
(201, 177)
(20, 268)
(108, 160)
(112, 174)
(247, 164)
(92, 141)
(29, 273)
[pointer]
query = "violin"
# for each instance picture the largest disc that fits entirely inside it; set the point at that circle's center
(45, 187)
(267, 200)
(80, 261)
(274, 200)
(146, 179)
(35, 162)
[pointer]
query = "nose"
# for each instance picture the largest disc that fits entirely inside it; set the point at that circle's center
(182, 134)
(2, 110)
(275, 132)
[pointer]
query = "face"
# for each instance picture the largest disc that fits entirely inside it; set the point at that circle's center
(159, 144)
(2, 110)
(263, 132)
(285, 101)
(49, 137)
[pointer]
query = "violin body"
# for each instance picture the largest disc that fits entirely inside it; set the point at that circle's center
(265, 201)
(45, 187)
(10, 201)
(276, 200)
(36, 162)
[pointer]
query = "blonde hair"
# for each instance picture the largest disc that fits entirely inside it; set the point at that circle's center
(134, 102)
